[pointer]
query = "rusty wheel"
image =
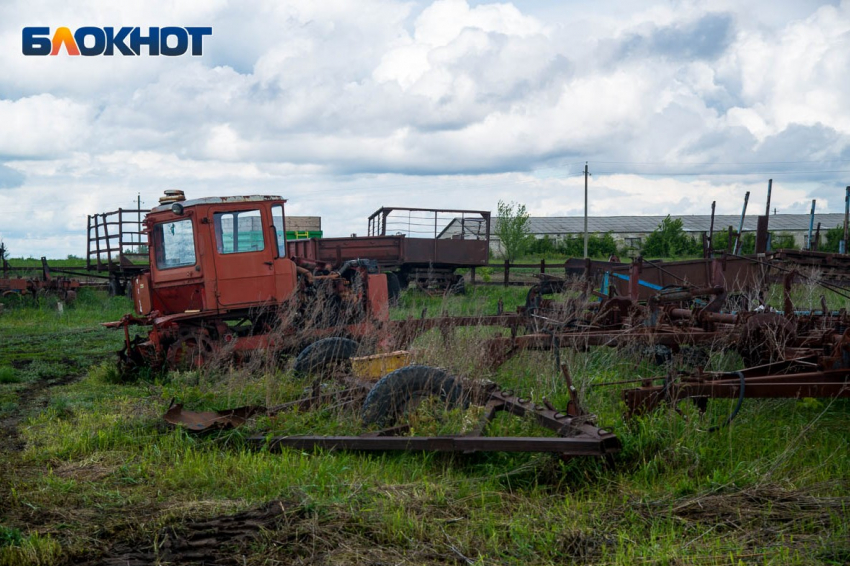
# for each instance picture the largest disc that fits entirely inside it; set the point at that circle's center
(12, 299)
(192, 350)
(41, 295)
(322, 354)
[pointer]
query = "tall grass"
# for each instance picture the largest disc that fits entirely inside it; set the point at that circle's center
(100, 464)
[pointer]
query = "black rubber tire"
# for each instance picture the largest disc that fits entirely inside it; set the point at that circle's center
(393, 287)
(116, 288)
(390, 397)
(321, 353)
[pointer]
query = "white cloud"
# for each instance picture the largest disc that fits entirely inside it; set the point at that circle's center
(341, 104)
(796, 77)
(43, 125)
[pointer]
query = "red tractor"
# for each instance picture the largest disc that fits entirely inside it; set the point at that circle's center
(220, 281)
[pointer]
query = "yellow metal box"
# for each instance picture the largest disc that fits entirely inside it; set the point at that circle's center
(374, 367)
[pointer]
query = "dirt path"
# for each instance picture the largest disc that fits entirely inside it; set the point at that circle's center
(32, 396)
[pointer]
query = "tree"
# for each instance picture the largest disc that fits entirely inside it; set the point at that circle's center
(670, 240)
(603, 246)
(513, 230)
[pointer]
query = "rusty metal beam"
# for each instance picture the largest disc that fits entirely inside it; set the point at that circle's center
(820, 384)
(574, 446)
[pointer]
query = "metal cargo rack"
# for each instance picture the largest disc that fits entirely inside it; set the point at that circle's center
(116, 244)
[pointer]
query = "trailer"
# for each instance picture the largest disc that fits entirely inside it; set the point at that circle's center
(411, 245)
(116, 247)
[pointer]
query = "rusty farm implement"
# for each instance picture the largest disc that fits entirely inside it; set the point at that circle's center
(221, 286)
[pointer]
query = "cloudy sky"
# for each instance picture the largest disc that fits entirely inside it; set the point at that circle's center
(345, 106)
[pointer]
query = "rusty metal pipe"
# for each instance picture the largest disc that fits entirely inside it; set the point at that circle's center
(689, 294)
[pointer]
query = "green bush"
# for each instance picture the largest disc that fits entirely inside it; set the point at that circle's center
(782, 241)
(832, 240)
(597, 245)
(748, 243)
(600, 246)
(544, 246)
(778, 241)
(670, 240)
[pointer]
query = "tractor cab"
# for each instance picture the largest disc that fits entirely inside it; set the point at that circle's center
(214, 255)
(220, 285)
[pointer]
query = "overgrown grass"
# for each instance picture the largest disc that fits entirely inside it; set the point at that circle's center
(9, 375)
(478, 301)
(41, 341)
(100, 467)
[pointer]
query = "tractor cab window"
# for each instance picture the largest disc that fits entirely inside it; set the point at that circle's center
(176, 244)
(279, 227)
(238, 232)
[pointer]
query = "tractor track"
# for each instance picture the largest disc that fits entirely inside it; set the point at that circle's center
(30, 397)
(51, 360)
(223, 539)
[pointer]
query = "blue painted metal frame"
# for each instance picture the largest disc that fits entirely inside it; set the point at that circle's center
(606, 282)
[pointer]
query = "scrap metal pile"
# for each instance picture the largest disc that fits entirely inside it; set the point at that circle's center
(222, 288)
(788, 354)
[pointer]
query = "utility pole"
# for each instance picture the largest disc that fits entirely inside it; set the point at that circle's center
(586, 174)
(139, 209)
(846, 214)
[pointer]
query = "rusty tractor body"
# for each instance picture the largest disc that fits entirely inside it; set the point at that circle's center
(220, 280)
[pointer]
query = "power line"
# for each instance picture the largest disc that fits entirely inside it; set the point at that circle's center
(722, 162)
(720, 173)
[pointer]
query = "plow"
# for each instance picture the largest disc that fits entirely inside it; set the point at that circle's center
(221, 287)
(18, 288)
(388, 400)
